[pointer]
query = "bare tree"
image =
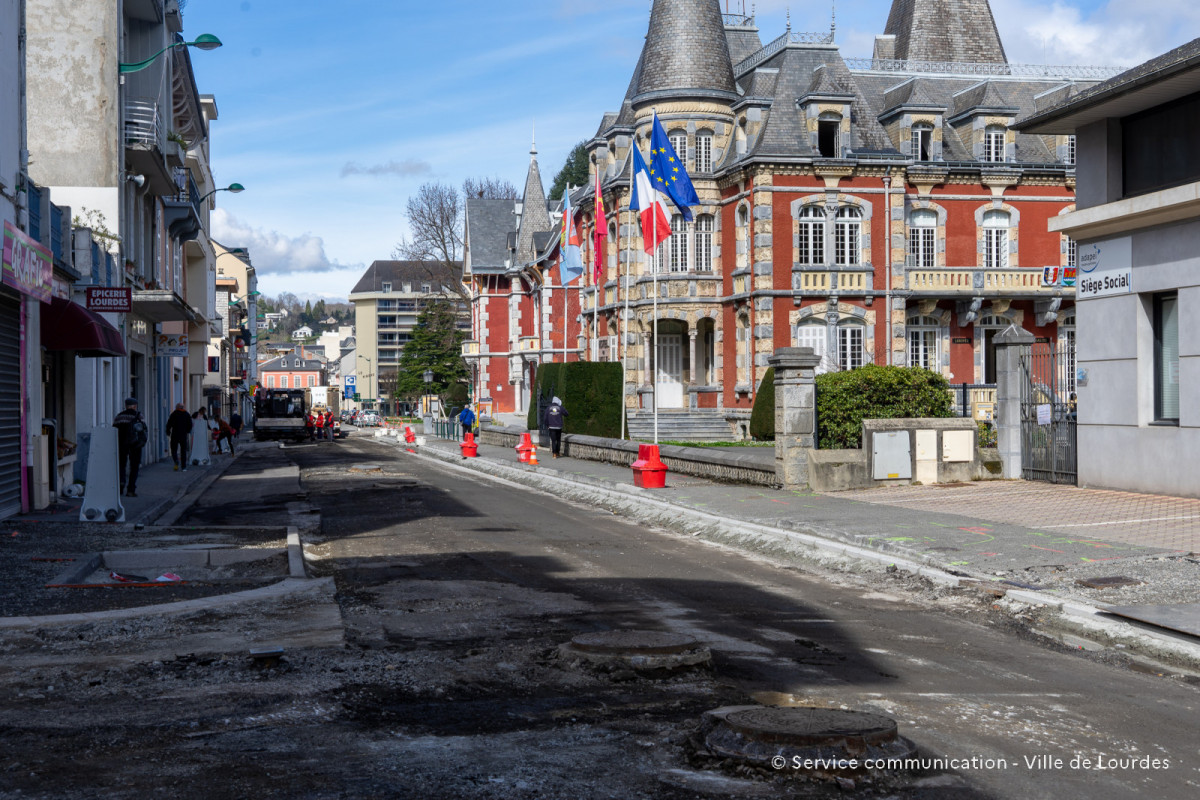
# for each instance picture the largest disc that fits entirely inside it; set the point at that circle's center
(435, 219)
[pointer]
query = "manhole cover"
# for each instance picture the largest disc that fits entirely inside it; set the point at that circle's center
(1108, 583)
(821, 743)
(639, 650)
(366, 469)
(803, 727)
(643, 642)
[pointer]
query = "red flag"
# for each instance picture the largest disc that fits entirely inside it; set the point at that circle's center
(599, 235)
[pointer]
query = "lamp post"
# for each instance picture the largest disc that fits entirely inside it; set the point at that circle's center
(428, 378)
(236, 188)
(205, 41)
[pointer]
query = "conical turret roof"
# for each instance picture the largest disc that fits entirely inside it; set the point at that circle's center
(945, 30)
(686, 53)
(535, 216)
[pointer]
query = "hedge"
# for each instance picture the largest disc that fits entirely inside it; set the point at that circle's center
(845, 399)
(591, 392)
(762, 418)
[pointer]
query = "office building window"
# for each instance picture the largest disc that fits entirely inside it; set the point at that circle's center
(1166, 358)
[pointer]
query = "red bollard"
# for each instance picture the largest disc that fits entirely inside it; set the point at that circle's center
(469, 448)
(648, 471)
(409, 436)
(524, 448)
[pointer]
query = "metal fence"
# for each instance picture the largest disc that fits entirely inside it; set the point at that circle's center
(1048, 408)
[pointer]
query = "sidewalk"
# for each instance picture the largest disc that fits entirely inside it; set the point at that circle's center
(1013, 535)
(159, 487)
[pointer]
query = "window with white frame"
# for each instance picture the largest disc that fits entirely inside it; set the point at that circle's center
(922, 142)
(810, 231)
(1072, 249)
(283, 381)
(1066, 344)
(812, 334)
(679, 145)
(923, 334)
(1070, 154)
(270, 381)
(848, 236)
(993, 143)
(995, 239)
(387, 287)
(922, 238)
(704, 243)
(850, 346)
(704, 152)
(678, 243)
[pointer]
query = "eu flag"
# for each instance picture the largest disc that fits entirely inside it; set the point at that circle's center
(669, 173)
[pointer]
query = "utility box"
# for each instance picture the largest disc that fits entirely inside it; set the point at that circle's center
(958, 446)
(891, 455)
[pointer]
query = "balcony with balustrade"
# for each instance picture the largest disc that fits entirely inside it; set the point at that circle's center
(1028, 282)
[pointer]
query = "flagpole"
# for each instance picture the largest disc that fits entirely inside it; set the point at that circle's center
(624, 327)
(655, 263)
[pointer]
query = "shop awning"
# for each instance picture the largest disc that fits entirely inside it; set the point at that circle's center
(70, 326)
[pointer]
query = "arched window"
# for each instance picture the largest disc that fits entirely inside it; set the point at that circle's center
(678, 243)
(922, 238)
(923, 333)
(922, 142)
(848, 236)
(813, 334)
(995, 239)
(704, 154)
(829, 135)
(993, 143)
(704, 247)
(851, 341)
(810, 230)
(679, 144)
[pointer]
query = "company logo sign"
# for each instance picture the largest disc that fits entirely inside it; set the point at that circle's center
(27, 265)
(1105, 268)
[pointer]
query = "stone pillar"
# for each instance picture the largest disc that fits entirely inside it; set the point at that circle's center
(1011, 344)
(692, 345)
(795, 412)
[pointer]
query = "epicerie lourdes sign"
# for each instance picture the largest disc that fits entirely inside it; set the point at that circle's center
(26, 264)
(1105, 269)
(101, 298)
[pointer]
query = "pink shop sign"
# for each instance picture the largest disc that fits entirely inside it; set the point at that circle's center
(27, 264)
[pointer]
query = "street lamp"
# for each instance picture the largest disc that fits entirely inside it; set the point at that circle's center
(236, 188)
(205, 41)
(428, 378)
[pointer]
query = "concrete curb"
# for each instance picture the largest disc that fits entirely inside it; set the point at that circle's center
(1079, 618)
(288, 587)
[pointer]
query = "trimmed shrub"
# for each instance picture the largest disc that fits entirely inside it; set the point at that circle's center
(762, 418)
(591, 392)
(845, 399)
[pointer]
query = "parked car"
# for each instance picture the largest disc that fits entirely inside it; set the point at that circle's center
(368, 419)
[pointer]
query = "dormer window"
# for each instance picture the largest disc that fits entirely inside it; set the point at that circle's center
(993, 143)
(387, 287)
(922, 143)
(829, 135)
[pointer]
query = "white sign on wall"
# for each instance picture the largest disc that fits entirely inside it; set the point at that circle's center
(1105, 268)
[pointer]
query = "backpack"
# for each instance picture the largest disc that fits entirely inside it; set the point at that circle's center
(138, 433)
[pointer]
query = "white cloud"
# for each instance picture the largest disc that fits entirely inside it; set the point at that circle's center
(271, 251)
(406, 169)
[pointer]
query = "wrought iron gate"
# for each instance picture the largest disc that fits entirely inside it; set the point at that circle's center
(1048, 441)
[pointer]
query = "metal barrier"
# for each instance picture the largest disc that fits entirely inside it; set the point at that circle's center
(1048, 440)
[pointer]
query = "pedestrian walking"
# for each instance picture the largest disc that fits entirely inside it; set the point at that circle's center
(224, 433)
(553, 417)
(235, 422)
(179, 430)
(466, 418)
(132, 435)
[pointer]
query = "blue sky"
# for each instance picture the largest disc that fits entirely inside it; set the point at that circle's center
(332, 114)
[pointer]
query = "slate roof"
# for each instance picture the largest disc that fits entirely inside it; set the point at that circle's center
(534, 214)
(743, 41)
(1170, 64)
(398, 272)
(686, 53)
(945, 30)
(294, 364)
(490, 224)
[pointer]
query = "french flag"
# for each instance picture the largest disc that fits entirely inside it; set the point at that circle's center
(656, 225)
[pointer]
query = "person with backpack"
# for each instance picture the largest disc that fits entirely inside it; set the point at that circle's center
(132, 435)
(179, 430)
(553, 417)
(467, 418)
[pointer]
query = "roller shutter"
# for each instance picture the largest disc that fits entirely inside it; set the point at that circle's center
(10, 404)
